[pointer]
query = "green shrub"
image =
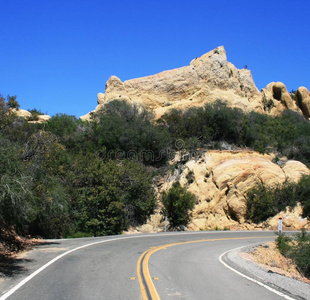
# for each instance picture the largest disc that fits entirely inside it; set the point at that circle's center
(264, 201)
(301, 257)
(177, 204)
(298, 249)
(79, 234)
(260, 203)
(108, 197)
(284, 244)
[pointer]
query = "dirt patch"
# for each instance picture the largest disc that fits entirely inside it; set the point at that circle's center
(268, 257)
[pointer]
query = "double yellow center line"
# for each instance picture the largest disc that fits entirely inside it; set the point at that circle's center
(147, 287)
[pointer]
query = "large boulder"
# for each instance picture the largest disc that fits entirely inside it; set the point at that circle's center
(280, 93)
(276, 99)
(303, 100)
(22, 113)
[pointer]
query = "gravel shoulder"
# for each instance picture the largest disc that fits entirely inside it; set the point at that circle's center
(247, 260)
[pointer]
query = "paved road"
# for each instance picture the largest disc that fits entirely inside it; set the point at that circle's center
(109, 269)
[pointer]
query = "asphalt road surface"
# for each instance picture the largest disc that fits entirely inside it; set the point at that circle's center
(157, 266)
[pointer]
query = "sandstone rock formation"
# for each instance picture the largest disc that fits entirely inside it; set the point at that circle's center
(220, 181)
(204, 80)
(25, 114)
(303, 100)
(22, 113)
(276, 99)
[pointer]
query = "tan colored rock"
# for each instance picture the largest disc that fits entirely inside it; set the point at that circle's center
(220, 181)
(291, 219)
(22, 113)
(276, 99)
(294, 169)
(206, 79)
(25, 114)
(303, 100)
(87, 117)
(43, 118)
(280, 93)
(100, 98)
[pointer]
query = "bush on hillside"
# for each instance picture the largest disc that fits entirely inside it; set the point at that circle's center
(265, 201)
(298, 249)
(177, 206)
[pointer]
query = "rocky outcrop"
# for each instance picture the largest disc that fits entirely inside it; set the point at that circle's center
(25, 114)
(303, 100)
(220, 181)
(276, 99)
(204, 80)
(22, 113)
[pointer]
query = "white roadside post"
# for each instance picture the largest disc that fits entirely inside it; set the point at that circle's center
(165, 223)
(280, 226)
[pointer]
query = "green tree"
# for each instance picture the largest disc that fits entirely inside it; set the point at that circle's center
(110, 196)
(12, 102)
(132, 132)
(265, 201)
(6, 114)
(177, 204)
(260, 203)
(303, 190)
(15, 188)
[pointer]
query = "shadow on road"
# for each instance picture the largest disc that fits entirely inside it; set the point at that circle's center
(13, 265)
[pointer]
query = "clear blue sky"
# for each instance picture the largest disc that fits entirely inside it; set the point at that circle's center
(56, 55)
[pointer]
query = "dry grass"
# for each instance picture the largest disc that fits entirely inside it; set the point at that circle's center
(270, 258)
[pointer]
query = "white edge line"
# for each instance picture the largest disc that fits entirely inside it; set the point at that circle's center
(25, 280)
(249, 278)
(28, 278)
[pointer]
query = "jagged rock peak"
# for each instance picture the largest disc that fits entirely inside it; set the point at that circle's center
(206, 79)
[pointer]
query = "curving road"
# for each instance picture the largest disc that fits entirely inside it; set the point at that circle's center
(171, 265)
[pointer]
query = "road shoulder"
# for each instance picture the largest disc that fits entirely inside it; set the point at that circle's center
(292, 287)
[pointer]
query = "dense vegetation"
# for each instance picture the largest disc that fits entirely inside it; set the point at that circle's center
(296, 248)
(177, 206)
(288, 134)
(266, 201)
(69, 177)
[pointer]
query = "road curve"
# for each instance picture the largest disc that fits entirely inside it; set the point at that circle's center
(179, 266)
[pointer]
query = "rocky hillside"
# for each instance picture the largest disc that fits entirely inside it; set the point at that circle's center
(204, 80)
(220, 180)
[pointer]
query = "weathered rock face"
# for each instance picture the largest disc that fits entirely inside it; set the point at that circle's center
(303, 100)
(221, 179)
(276, 99)
(205, 77)
(204, 80)
(22, 113)
(25, 114)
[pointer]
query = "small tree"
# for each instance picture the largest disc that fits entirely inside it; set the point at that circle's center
(177, 206)
(12, 102)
